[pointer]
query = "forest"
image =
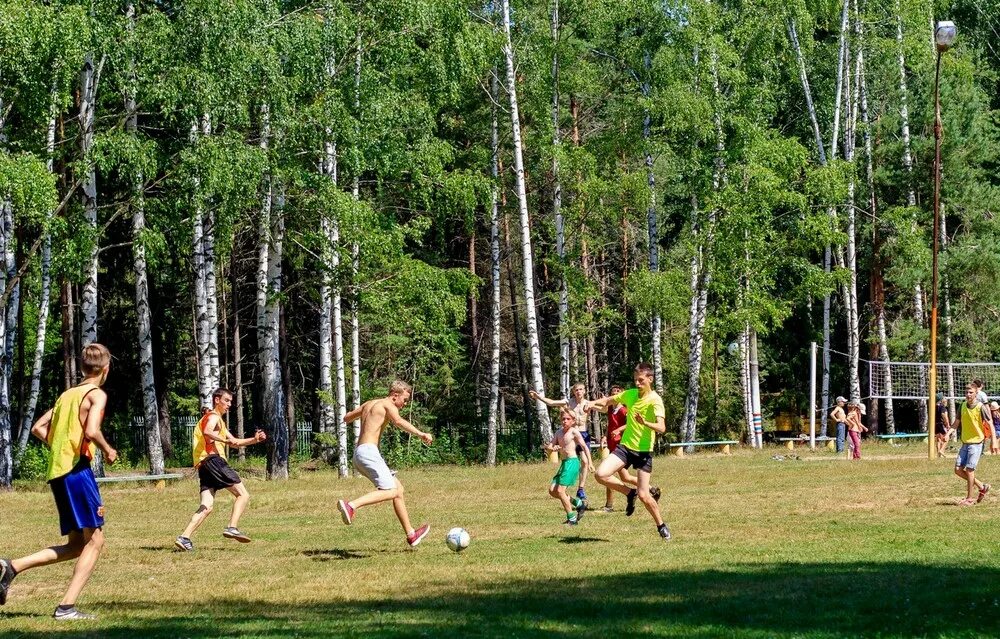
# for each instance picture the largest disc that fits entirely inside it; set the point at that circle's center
(304, 200)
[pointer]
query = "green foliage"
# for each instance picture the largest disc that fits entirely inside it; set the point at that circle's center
(33, 463)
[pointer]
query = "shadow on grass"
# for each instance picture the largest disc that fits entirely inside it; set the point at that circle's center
(578, 540)
(334, 553)
(769, 600)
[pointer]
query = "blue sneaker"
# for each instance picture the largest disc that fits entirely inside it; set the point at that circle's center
(581, 494)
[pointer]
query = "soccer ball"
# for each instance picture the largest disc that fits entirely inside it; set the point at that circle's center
(457, 539)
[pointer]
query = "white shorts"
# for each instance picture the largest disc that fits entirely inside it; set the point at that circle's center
(368, 461)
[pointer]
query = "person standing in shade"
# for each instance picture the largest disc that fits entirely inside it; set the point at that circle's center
(840, 418)
(942, 424)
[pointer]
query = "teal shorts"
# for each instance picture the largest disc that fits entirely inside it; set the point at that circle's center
(569, 472)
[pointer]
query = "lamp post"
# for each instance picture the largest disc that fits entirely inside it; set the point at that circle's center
(944, 36)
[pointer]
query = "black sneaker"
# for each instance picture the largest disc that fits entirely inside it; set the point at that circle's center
(664, 532)
(582, 508)
(71, 613)
(184, 544)
(630, 503)
(6, 576)
(234, 533)
(655, 492)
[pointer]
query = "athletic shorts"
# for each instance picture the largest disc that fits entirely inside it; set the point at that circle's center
(368, 461)
(215, 474)
(634, 459)
(613, 442)
(968, 456)
(568, 473)
(77, 499)
(586, 438)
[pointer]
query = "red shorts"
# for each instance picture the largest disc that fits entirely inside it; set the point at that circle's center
(613, 443)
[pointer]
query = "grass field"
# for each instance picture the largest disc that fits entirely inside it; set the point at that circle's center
(814, 547)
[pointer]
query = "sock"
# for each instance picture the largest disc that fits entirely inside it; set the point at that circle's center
(571, 516)
(576, 501)
(661, 527)
(62, 608)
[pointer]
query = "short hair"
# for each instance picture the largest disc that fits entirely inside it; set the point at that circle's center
(978, 383)
(565, 411)
(399, 387)
(618, 386)
(576, 386)
(95, 357)
(645, 368)
(219, 393)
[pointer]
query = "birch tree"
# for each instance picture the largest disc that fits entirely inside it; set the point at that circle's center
(564, 350)
(89, 77)
(534, 348)
(491, 429)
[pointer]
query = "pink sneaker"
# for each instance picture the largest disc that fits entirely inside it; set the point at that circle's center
(982, 492)
(414, 538)
(346, 511)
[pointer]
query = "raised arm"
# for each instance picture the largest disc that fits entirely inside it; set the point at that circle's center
(353, 415)
(551, 403)
(402, 424)
(602, 403)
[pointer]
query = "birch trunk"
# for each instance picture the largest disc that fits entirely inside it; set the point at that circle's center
(518, 340)
(154, 448)
(270, 236)
(851, 100)
(564, 346)
(545, 428)
(6, 436)
(494, 407)
(201, 312)
(46, 292)
(652, 226)
(911, 198)
(88, 301)
(744, 348)
(237, 354)
(356, 259)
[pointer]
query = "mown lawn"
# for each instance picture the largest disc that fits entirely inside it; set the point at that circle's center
(810, 547)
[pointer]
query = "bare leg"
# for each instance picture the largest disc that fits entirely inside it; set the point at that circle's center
(609, 498)
(52, 554)
(374, 497)
(242, 499)
(399, 505)
(93, 539)
(606, 474)
(559, 492)
(200, 515)
(628, 480)
(647, 499)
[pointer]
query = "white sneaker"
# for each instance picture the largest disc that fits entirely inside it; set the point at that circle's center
(72, 613)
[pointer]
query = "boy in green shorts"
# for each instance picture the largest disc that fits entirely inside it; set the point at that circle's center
(645, 418)
(567, 441)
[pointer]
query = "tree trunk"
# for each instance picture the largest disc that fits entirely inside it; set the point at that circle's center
(154, 448)
(88, 95)
(851, 99)
(356, 261)
(68, 336)
(494, 403)
(44, 298)
(534, 348)
(270, 237)
(237, 354)
(521, 364)
(652, 227)
(564, 348)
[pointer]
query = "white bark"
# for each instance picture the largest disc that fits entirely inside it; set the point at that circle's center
(744, 351)
(356, 259)
(88, 302)
(851, 100)
(46, 293)
(545, 427)
(6, 261)
(270, 236)
(841, 63)
(652, 227)
(755, 390)
(154, 447)
(491, 431)
(202, 339)
(564, 347)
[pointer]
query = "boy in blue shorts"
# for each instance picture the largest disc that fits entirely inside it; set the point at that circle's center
(568, 441)
(645, 418)
(71, 429)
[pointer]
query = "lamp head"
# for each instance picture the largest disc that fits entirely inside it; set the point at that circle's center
(944, 35)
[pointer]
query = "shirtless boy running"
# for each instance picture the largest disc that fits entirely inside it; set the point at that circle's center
(568, 442)
(374, 415)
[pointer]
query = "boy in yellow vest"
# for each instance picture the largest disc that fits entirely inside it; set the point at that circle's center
(209, 442)
(973, 414)
(71, 429)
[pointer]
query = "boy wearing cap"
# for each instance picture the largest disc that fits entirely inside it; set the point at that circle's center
(838, 416)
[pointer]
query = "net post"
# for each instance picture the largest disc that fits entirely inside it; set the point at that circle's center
(812, 396)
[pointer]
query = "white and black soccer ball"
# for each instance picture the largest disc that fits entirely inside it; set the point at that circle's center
(457, 539)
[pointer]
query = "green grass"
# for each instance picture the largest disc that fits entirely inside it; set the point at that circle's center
(799, 548)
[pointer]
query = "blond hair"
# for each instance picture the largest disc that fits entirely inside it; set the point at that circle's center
(399, 387)
(576, 386)
(95, 358)
(565, 411)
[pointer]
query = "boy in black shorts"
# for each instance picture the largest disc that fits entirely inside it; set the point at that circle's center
(210, 441)
(646, 416)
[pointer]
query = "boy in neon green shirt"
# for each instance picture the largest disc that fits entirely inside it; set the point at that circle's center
(645, 418)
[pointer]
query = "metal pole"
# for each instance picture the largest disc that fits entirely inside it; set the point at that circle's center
(931, 448)
(812, 396)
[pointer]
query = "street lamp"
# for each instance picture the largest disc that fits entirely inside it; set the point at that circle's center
(944, 36)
